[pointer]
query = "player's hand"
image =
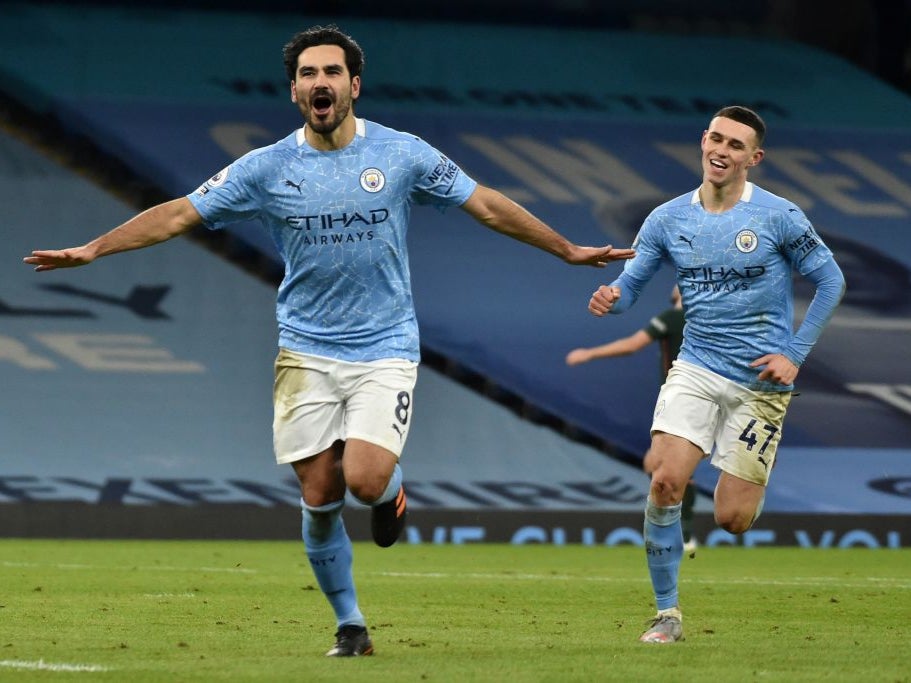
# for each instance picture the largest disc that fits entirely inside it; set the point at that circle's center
(50, 259)
(778, 369)
(597, 256)
(603, 300)
(577, 357)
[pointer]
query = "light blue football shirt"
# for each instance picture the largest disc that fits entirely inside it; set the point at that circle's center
(339, 220)
(734, 271)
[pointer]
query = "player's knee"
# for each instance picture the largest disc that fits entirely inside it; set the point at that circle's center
(734, 522)
(664, 490)
(367, 490)
(738, 520)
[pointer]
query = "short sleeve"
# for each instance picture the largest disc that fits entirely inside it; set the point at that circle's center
(802, 244)
(227, 197)
(440, 181)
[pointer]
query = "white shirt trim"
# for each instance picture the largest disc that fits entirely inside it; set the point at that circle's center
(360, 129)
(745, 196)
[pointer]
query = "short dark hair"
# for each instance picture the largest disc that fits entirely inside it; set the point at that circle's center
(746, 116)
(323, 35)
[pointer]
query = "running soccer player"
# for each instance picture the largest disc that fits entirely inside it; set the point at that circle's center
(667, 329)
(733, 246)
(336, 196)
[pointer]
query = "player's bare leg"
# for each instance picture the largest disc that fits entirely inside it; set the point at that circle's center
(328, 546)
(375, 479)
(737, 503)
(673, 460)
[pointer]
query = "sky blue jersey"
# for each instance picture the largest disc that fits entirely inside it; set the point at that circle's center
(339, 220)
(734, 271)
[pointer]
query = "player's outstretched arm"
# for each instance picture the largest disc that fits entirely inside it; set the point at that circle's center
(157, 224)
(619, 347)
(500, 213)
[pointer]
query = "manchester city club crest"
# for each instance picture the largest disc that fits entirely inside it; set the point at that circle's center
(746, 241)
(373, 180)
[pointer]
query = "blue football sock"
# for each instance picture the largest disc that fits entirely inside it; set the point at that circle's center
(664, 550)
(329, 551)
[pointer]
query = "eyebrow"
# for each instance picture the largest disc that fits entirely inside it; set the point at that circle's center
(325, 66)
(728, 137)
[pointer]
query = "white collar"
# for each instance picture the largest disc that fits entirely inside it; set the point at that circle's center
(360, 130)
(745, 196)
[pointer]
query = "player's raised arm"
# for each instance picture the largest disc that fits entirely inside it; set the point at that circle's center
(500, 213)
(157, 224)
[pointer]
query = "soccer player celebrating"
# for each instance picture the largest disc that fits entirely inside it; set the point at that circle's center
(667, 329)
(336, 196)
(733, 246)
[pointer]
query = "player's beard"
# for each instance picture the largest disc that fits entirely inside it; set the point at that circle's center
(326, 126)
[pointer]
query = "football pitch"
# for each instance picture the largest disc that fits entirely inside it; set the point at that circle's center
(250, 611)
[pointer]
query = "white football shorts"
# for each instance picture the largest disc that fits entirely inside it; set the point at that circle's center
(739, 428)
(318, 401)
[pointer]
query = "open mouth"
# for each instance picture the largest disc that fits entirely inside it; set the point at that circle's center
(321, 104)
(717, 164)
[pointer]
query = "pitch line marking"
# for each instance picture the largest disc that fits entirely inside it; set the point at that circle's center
(808, 581)
(163, 568)
(168, 595)
(41, 665)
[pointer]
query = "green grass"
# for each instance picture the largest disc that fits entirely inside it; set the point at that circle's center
(250, 611)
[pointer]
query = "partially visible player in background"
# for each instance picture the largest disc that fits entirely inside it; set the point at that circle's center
(734, 247)
(667, 329)
(336, 197)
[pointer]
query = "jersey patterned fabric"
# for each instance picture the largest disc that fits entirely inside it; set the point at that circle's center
(339, 220)
(734, 271)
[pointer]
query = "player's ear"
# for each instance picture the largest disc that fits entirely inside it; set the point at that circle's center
(293, 92)
(355, 87)
(756, 158)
